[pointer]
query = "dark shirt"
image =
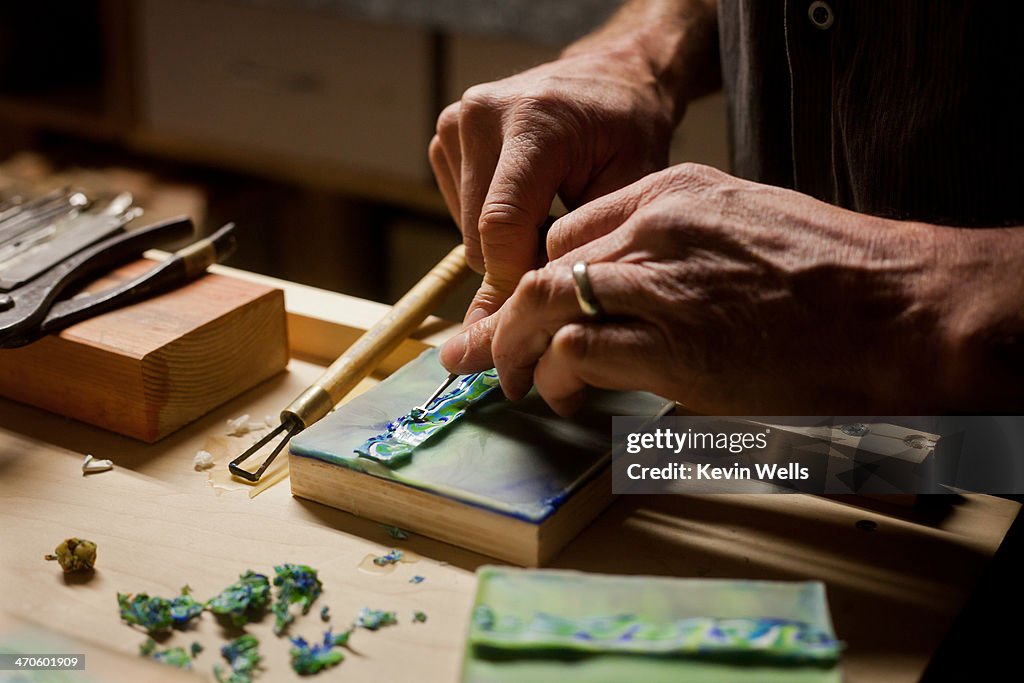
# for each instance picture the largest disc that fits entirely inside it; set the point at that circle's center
(908, 109)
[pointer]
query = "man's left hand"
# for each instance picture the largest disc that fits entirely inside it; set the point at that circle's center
(729, 297)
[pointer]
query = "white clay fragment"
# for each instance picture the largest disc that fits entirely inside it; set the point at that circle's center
(270, 420)
(242, 425)
(91, 465)
(239, 426)
(203, 461)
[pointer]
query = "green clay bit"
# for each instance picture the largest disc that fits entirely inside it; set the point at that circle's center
(296, 583)
(310, 659)
(396, 533)
(325, 614)
(243, 601)
(395, 446)
(195, 649)
(151, 613)
(174, 656)
(373, 619)
(243, 655)
(419, 617)
(157, 614)
(184, 608)
(767, 638)
(392, 557)
(74, 555)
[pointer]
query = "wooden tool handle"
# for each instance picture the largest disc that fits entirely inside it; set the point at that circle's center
(376, 343)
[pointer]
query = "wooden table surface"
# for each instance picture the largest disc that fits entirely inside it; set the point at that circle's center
(159, 525)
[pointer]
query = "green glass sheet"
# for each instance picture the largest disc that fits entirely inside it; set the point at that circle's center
(516, 458)
(513, 654)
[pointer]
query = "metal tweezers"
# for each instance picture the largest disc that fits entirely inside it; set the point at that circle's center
(30, 310)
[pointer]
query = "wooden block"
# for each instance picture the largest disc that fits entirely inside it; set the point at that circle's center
(484, 531)
(510, 480)
(145, 370)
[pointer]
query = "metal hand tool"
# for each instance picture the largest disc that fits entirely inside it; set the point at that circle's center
(32, 310)
(419, 411)
(43, 249)
(360, 359)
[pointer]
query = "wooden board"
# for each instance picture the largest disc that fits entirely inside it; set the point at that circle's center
(511, 480)
(893, 591)
(145, 370)
(101, 664)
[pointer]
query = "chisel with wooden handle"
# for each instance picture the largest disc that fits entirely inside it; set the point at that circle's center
(360, 359)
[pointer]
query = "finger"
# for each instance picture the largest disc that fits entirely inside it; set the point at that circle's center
(549, 292)
(443, 175)
(603, 355)
(524, 185)
(448, 127)
(480, 144)
(543, 303)
(448, 135)
(592, 221)
(449, 132)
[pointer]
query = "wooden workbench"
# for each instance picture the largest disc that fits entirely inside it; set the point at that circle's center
(893, 591)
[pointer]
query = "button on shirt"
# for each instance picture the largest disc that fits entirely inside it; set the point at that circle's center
(907, 109)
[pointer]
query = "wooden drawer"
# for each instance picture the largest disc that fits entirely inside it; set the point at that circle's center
(309, 85)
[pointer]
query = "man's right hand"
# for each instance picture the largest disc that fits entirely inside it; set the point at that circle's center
(579, 127)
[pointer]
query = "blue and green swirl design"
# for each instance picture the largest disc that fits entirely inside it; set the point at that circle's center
(394, 447)
(778, 640)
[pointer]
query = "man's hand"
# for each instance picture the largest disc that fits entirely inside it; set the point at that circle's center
(735, 297)
(581, 127)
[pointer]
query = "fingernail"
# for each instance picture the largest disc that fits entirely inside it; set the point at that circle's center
(453, 351)
(475, 316)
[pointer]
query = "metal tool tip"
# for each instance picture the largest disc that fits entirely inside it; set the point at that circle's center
(234, 467)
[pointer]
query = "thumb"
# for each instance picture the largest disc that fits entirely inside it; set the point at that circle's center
(470, 350)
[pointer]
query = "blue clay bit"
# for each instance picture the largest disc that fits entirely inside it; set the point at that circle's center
(394, 447)
(173, 656)
(297, 583)
(391, 557)
(416, 579)
(184, 608)
(310, 659)
(243, 655)
(156, 614)
(373, 619)
(151, 613)
(243, 601)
